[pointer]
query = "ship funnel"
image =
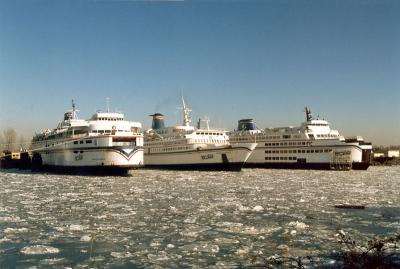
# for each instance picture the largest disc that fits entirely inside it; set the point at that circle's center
(246, 125)
(68, 116)
(158, 121)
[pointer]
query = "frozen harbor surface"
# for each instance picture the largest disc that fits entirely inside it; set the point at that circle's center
(167, 219)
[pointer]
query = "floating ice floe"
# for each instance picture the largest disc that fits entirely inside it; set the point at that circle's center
(161, 256)
(243, 208)
(208, 248)
(77, 227)
(39, 250)
(15, 230)
(228, 224)
(298, 225)
(226, 241)
(4, 240)
(52, 261)
(258, 208)
(243, 251)
(191, 219)
(10, 219)
(194, 231)
(85, 238)
(120, 255)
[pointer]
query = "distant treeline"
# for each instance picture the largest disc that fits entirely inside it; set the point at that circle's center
(385, 148)
(11, 141)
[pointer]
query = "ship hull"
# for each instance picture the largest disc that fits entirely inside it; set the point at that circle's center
(105, 160)
(231, 158)
(316, 157)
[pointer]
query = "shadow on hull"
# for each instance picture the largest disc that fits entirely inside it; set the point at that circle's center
(309, 166)
(236, 167)
(87, 170)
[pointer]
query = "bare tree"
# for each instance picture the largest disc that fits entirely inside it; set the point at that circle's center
(9, 139)
(1, 144)
(21, 143)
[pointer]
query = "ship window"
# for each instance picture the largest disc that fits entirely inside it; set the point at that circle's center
(75, 151)
(75, 142)
(88, 141)
(81, 151)
(124, 139)
(80, 142)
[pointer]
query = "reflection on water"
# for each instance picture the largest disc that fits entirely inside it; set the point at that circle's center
(170, 219)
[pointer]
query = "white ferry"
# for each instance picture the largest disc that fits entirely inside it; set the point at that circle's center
(186, 147)
(104, 143)
(313, 145)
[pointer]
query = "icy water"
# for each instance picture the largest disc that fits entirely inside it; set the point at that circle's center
(166, 219)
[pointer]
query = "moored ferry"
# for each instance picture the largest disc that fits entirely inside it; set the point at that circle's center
(186, 147)
(104, 143)
(313, 145)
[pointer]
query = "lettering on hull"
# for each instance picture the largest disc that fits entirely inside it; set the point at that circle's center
(207, 156)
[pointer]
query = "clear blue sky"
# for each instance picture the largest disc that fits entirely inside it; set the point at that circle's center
(231, 60)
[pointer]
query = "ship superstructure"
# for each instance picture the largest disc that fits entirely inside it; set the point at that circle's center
(313, 145)
(104, 142)
(189, 147)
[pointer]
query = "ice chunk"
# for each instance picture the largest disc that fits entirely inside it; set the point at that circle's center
(10, 219)
(242, 251)
(77, 227)
(258, 208)
(39, 250)
(162, 256)
(191, 220)
(52, 261)
(15, 230)
(298, 225)
(85, 238)
(121, 255)
(209, 248)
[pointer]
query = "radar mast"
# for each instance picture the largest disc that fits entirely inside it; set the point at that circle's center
(308, 114)
(186, 117)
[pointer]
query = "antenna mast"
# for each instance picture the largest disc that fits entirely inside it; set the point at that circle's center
(308, 114)
(186, 117)
(108, 104)
(73, 110)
